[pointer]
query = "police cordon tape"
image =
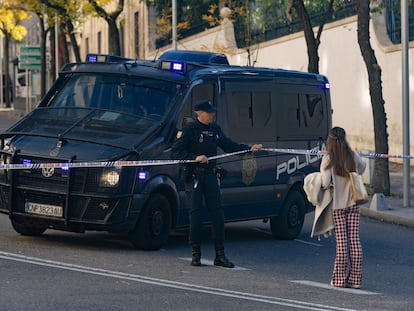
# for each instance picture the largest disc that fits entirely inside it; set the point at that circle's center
(97, 164)
(121, 163)
(322, 152)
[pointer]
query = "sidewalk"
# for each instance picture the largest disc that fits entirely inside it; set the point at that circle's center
(394, 212)
(16, 111)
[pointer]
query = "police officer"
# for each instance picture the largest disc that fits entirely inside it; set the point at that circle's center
(198, 141)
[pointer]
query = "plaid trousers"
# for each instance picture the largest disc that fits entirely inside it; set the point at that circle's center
(348, 261)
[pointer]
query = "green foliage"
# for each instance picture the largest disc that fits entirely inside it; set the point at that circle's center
(189, 15)
(252, 18)
(190, 11)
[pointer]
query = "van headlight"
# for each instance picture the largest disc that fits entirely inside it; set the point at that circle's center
(109, 178)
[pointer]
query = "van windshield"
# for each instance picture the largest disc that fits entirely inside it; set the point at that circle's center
(139, 96)
(106, 109)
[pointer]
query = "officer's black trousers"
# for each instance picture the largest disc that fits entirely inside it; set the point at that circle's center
(209, 189)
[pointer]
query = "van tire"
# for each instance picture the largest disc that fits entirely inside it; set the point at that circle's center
(27, 230)
(288, 224)
(154, 224)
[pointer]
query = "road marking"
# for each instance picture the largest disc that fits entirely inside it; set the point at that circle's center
(172, 284)
(327, 286)
(297, 240)
(309, 243)
(206, 262)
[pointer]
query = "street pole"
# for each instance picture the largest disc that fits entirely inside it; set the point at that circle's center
(406, 103)
(174, 24)
(1, 71)
(56, 50)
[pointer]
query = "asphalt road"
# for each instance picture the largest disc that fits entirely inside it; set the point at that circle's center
(97, 271)
(5, 122)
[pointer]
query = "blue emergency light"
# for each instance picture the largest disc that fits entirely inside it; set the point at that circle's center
(177, 66)
(142, 175)
(174, 66)
(105, 58)
(27, 161)
(92, 58)
(324, 86)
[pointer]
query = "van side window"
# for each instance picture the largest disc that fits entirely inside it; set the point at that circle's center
(288, 112)
(302, 114)
(199, 92)
(273, 111)
(251, 116)
(314, 112)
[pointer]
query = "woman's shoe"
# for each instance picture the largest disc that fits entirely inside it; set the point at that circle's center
(354, 286)
(333, 285)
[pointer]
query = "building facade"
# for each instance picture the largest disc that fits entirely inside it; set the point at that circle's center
(340, 61)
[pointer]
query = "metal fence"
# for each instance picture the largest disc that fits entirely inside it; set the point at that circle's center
(392, 11)
(279, 30)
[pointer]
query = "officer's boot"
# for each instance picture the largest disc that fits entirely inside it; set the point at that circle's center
(196, 255)
(221, 259)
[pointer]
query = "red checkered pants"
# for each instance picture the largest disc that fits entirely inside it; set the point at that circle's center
(348, 260)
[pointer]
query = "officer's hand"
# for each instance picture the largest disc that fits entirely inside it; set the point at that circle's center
(256, 147)
(201, 159)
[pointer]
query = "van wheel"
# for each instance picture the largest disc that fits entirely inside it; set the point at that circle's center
(27, 229)
(153, 226)
(288, 224)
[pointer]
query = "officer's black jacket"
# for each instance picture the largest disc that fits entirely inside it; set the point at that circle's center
(200, 139)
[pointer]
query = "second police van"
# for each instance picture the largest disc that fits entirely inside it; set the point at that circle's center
(114, 110)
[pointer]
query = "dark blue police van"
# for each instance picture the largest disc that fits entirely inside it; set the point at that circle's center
(114, 109)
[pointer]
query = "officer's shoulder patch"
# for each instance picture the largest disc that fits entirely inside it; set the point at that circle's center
(179, 134)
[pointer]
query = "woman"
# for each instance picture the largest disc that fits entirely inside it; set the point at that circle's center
(335, 167)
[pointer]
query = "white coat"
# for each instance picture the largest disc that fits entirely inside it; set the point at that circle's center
(322, 200)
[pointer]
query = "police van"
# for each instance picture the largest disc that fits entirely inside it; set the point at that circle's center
(68, 162)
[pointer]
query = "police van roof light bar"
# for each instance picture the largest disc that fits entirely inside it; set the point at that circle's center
(105, 58)
(174, 66)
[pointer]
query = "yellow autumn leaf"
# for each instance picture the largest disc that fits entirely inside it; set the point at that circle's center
(18, 32)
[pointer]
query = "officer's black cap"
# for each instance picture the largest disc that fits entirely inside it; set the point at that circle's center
(204, 105)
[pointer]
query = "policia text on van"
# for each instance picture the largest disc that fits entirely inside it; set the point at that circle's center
(110, 109)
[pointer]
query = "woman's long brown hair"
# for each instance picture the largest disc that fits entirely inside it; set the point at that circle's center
(341, 155)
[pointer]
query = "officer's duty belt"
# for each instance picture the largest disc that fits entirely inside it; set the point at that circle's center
(205, 170)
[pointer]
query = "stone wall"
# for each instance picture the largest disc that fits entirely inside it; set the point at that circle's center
(342, 63)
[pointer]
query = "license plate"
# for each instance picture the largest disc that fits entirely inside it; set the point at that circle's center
(43, 209)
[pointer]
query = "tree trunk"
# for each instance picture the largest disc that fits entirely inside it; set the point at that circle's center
(6, 71)
(72, 37)
(113, 38)
(53, 60)
(114, 44)
(381, 168)
(43, 58)
(63, 46)
(311, 43)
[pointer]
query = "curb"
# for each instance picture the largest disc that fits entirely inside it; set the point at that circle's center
(387, 217)
(12, 114)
